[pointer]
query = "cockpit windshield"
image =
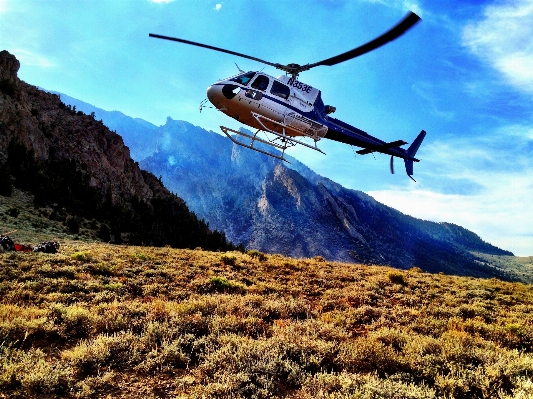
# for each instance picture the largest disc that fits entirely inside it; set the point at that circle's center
(243, 79)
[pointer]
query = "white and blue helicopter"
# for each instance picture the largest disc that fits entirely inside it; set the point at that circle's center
(286, 110)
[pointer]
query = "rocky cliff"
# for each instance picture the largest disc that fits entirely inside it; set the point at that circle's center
(42, 123)
(71, 161)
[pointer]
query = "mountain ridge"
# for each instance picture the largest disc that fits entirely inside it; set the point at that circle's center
(289, 209)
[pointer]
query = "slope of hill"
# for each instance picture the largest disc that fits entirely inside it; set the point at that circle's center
(100, 321)
(138, 129)
(76, 167)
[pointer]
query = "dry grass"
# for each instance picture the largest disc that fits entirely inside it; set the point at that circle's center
(96, 320)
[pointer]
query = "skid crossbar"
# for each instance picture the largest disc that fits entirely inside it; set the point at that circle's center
(283, 135)
(254, 138)
(286, 140)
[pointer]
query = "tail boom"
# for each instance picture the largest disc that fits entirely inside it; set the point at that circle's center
(344, 133)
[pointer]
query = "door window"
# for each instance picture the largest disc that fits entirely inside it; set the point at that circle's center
(260, 83)
(280, 90)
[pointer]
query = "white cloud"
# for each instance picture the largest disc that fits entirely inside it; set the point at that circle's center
(161, 1)
(500, 215)
(29, 58)
(414, 7)
(427, 93)
(504, 40)
(404, 5)
(218, 7)
(3, 6)
(498, 209)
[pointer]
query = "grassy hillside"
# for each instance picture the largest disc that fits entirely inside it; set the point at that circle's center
(519, 267)
(99, 320)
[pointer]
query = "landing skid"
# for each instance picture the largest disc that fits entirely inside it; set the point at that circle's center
(285, 140)
(254, 138)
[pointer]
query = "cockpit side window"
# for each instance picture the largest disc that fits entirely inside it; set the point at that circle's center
(243, 79)
(280, 90)
(260, 83)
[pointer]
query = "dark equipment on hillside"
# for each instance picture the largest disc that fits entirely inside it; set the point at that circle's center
(7, 244)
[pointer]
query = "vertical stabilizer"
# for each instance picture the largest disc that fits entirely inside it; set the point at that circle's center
(411, 152)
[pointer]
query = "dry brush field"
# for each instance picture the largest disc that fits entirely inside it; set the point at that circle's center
(98, 320)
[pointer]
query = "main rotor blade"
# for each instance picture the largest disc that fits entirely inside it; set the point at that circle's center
(398, 30)
(214, 48)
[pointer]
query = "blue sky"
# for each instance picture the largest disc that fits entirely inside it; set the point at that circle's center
(464, 74)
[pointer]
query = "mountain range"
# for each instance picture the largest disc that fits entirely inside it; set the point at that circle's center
(278, 207)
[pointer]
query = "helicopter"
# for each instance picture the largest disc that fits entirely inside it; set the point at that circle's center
(289, 112)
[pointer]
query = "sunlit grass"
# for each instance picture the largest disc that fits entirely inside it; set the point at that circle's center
(95, 317)
(97, 320)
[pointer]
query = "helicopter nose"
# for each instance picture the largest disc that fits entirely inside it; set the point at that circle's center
(220, 94)
(213, 92)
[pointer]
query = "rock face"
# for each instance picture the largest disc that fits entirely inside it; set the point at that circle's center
(55, 135)
(286, 208)
(140, 132)
(9, 66)
(41, 122)
(279, 208)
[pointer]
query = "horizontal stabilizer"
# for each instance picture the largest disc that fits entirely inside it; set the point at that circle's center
(381, 147)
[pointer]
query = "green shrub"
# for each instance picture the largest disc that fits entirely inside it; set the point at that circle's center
(103, 269)
(168, 356)
(72, 321)
(113, 286)
(228, 260)
(32, 373)
(255, 254)
(103, 352)
(222, 285)
(82, 256)
(397, 277)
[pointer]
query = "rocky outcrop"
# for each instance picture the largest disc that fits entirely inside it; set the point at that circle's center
(9, 66)
(42, 123)
(50, 137)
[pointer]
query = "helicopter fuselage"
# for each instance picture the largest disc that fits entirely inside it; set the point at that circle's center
(291, 108)
(282, 104)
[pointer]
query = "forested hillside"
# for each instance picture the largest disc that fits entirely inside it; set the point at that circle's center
(77, 169)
